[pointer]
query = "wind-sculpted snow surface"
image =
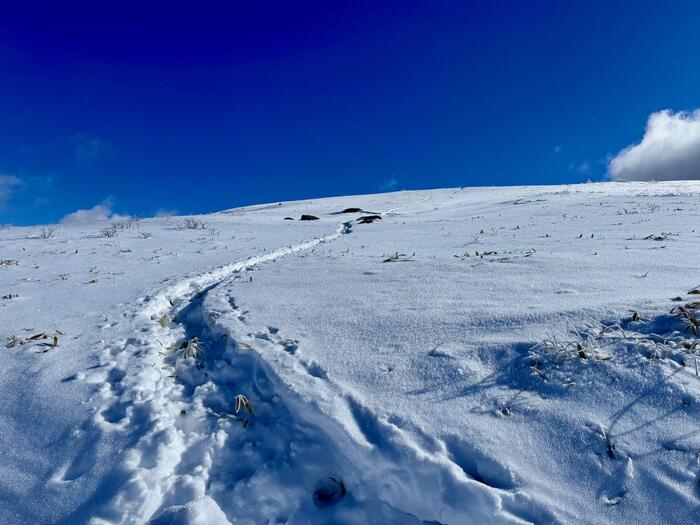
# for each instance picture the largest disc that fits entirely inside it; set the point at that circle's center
(501, 355)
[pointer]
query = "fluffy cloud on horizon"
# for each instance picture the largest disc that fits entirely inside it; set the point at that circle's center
(100, 212)
(669, 150)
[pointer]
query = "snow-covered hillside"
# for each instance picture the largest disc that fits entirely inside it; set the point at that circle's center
(476, 355)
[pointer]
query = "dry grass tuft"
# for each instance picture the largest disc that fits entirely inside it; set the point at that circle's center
(47, 233)
(398, 257)
(109, 232)
(46, 341)
(692, 324)
(188, 223)
(191, 348)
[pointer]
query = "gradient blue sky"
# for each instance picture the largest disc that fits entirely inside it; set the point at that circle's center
(213, 105)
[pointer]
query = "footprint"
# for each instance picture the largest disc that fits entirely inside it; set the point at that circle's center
(80, 465)
(477, 465)
(265, 336)
(289, 345)
(115, 413)
(78, 376)
(116, 375)
(315, 370)
(114, 378)
(85, 453)
(154, 445)
(614, 489)
(115, 350)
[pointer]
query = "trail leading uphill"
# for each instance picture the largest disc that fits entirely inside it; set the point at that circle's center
(503, 355)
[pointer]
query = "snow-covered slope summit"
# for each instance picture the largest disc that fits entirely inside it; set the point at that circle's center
(476, 355)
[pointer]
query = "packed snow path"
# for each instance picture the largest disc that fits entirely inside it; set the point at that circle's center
(200, 454)
(417, 370)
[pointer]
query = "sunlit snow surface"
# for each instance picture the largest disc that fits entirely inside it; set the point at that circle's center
(483, 355)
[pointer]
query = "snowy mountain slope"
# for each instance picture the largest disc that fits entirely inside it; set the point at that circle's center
(500, 355)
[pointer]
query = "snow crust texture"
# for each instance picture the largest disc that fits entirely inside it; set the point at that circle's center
(476, 355)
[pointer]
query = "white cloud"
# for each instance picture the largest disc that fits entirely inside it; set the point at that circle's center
(163, 212)
(8, 184)
(100, 212)
(583, 168)
(669, 150)
(389, 184)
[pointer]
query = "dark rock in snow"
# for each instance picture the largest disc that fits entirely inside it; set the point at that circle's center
(369, 219)
(329, 492)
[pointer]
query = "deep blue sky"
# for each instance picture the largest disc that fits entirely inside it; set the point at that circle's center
(216, 105)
